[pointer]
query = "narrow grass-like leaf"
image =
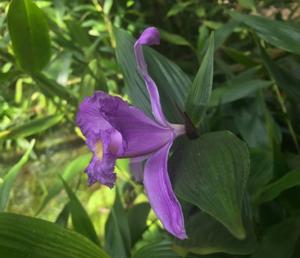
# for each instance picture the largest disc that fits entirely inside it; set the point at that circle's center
(32, 127)
(199, 94)
(22, 237)
(280, 34)
(51, 88)
(29, 33)
(286, 81)
(214, 178)
(80, 219)
(137, 218)
(70, 172)
(172, 82)
(174, 39)
(9, 178)
(273, 190)
(117, 234)
(236, 90)
(162, 249)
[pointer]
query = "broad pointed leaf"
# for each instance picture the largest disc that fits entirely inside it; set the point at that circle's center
(211, 173)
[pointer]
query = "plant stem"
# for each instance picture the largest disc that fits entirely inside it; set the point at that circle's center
(288, 122)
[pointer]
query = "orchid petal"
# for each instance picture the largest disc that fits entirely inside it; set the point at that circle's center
(150, 36)
(160, 193)
(114, 129)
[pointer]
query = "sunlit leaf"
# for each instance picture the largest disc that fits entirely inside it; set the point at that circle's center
(22, 237)
(32, 127)
(29, 34)
(10, 177)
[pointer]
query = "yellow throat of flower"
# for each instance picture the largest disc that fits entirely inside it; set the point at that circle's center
(98, 149)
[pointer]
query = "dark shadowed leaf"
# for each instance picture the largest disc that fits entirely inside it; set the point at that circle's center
(273, 190)
(117, 234)
(22, 237)
(206, 236)
(236, 90)
(224, 32)
(172, 82)
(174, 38)
(137, 219)
(162, 249)
(285, 80)
(80, 219)
(279, 241)
(280, 34)
(199, 94)
(10, 177)
(261, 169)
(32, 127)
(214, 178)
(29, 33)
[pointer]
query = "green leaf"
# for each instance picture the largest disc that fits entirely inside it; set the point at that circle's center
(199, 94)
(22, 237)
(63, 216)
(261, 169)
(214, 178)
(172, 82)
(32, 127)
(117, 234)
(51, 88)
(273, 190)
(174, 38)
(280, 34)
(10, 177)
(236, 90)
(80, 219)
(137, 219)
(70, 172)
(285, 80)
(29, 33)
(279, 241)
(224, 32)
(207, 236)
(162, 249)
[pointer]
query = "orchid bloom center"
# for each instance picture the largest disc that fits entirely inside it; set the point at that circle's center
(98, 149)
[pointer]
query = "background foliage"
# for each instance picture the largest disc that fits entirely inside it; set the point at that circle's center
(235, 67)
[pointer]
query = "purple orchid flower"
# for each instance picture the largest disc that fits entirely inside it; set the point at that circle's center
(113, 130)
